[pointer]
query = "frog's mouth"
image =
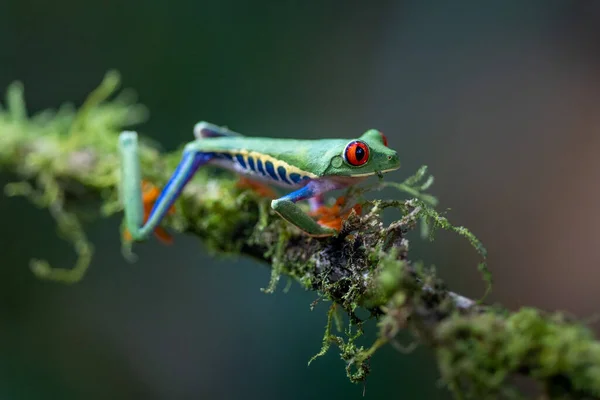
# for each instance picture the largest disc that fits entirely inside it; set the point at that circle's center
(374, 173)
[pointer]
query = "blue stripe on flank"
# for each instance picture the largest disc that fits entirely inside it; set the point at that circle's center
(240, 160)
(294, 177)
(271, 170)
(283, 174)
(259, 166)
(226, 156)
(251, 163)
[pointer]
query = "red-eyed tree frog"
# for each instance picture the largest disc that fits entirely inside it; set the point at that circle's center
(309, 167)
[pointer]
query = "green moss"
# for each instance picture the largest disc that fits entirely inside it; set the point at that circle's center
(208, 206)
(49, 195)
(355, 357)
(276, 254)
(480, 354)
(53, 146)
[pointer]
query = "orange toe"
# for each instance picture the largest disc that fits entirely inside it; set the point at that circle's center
(334, 216)
(162, 235)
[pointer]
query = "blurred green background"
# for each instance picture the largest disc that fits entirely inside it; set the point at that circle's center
(500, 99)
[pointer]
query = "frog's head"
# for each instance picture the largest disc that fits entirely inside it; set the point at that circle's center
(367, 155)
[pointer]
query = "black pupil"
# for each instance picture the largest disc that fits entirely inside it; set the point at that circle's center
(359, 153)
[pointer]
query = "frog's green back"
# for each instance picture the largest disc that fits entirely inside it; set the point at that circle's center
(292, 161)
(312, 156)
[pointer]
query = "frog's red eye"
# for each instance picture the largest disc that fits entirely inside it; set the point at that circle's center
(384, 139)
(356, 153)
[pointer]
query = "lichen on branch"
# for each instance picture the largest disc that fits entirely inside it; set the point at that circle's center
(69, 157)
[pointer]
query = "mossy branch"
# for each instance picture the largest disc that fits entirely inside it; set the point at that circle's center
(68, 158)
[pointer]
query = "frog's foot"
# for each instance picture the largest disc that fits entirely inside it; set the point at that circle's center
(333, 217)
(257, 187)
(149, 195)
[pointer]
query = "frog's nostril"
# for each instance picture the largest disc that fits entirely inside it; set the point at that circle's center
(389, 158)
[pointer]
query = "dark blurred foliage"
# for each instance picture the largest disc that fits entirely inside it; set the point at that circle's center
(500, 99)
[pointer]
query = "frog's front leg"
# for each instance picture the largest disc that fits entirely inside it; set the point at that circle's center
(288, 209)
(191, 160)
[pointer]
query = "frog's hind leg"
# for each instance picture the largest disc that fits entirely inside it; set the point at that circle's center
(193, 157)
(149, 195)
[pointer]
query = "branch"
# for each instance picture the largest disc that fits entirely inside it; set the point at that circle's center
(69, 158)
